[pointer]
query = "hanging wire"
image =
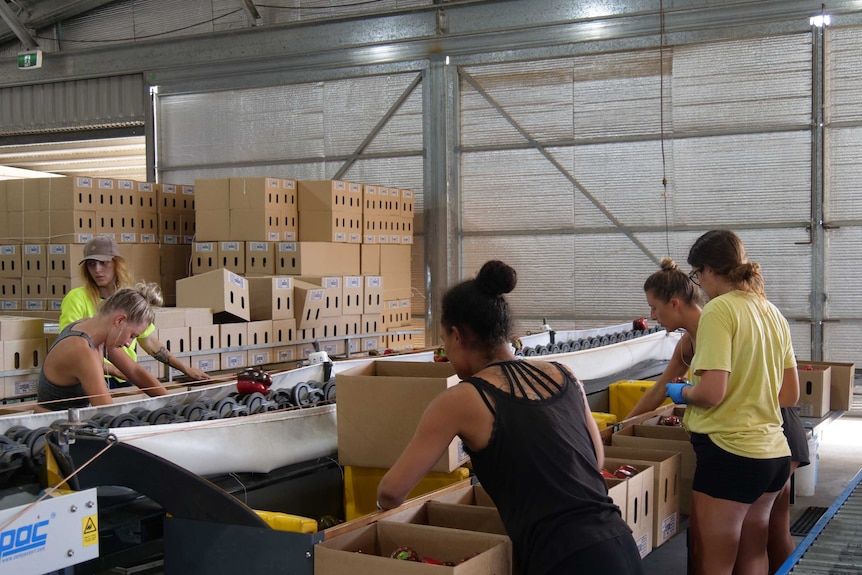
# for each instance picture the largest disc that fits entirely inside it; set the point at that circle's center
(661, 125)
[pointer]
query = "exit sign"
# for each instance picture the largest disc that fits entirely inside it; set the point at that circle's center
(30, 60)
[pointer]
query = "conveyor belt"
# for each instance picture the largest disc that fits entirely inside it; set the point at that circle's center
(834, 545)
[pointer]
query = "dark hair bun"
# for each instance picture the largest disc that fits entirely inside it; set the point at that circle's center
(667, 264)
(496, 278)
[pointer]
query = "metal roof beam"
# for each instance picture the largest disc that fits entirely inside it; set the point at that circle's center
(48, 12)
(17, 28)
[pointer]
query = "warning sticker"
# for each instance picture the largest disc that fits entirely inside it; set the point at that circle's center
(90, 529)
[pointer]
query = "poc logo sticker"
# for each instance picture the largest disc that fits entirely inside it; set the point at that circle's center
(23, 541)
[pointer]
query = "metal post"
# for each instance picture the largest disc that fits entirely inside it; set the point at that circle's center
(818, 243)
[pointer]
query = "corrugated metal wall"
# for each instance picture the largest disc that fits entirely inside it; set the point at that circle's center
(73, 105)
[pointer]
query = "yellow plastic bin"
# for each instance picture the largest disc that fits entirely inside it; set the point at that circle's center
(360, 487)
(624, 395)
(604, 420)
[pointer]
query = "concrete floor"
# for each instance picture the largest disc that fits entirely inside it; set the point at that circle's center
(840, 459)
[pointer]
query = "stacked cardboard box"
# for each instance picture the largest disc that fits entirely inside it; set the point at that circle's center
(260, 209)
(23, 348)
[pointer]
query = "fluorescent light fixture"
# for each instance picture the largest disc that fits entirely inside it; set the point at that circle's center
(820, 20)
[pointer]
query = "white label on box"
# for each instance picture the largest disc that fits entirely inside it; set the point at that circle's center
(272, 236)
(643, 544)
(272, 182)
(34, 305)
(288, 184)
(395, 239)
(56, 305)
(353, 345)
(373, 281)
(204, 247)
(384, 239)
(57, 249)
(340, 237)
(407, 194)
(128, 237)
(330, 348)
(206, 365)
(235, 279)
(257, 246)
(290, 236)
(316, 295)
(282, 283)
(383, 191)
(259, 358)
(331, 283)
(668, 527)
(370, 344)
(407, 239)
(148, 238)
(353, 281)
(285, 355)
(188, 190)
(371, 239)
(392, 304)
(106, 184)
(234, 361)
(145, 186)
(26, 387)
(84, 182)
(171, 240)
(33, 249)
(338, 185)
(188, 240)
(7, 250)
(355, 187)
(230, 246)
(355, 239)
(125, 185)
(287, 247)
(405, 303)
(8, 304)
(169, 189)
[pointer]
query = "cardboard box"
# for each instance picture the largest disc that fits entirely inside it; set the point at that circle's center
(259, 225)
(260, 258)
(145, 197)
(284, 330)
(34, 260)
(317, 259)
(309, 300)
(145, 261)
(260, 356)
(23, 354)
(223, 291)
(618, 491)
(373, 295)
(233, 359)
(233, 335)
(336, 226)
(667, 466)
(369, 259)
(640, 507)
(10, 288)
(20, 328)
(67, 194)
(198, 316)
(328, 196)
(285, 353)
(656, 437)
(379, 407)
(212, 194)
(333, 293)
(19, 386)
(815, 387)
(64, 260)
(34, 287)
(169, 317)
(841, 383)
(73, 227)
(10, 261)
(408, 204)
(204, 337)
(377, 541)
(259, 332)
(175, 339)
(478, 518)
(212, 225)
(205, 257)
(270, 297)
(206, 362)
(232, 256)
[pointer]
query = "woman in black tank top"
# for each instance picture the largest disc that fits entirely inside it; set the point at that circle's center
(529, 431)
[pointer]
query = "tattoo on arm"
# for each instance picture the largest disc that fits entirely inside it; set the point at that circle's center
(162, 356)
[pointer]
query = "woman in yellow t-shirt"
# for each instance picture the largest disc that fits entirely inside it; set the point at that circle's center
(103, 271)
(742, 370)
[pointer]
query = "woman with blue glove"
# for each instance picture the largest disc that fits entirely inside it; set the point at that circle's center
(743, 370)
(674, 302)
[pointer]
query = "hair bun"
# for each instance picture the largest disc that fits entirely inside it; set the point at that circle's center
(151, 293)
(496, 278)
(667, 264)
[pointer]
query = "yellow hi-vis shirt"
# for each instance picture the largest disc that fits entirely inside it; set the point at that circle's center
(77, 305)
(747, 336)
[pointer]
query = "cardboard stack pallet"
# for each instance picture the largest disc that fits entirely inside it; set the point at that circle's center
(316, 259)
(46, 221)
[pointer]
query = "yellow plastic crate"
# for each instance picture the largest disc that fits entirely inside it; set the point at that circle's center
(287, 522)
(624, 395)
(604, 419)
(360, 487)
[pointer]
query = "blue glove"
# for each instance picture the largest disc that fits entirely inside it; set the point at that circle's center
(674, 391)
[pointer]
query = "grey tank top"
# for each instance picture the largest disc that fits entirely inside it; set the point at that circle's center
(56, 397)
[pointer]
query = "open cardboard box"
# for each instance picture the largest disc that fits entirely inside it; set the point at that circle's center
(366, 551)
(666, 486)
(840, 382)
(473, 495)
(380, 404)
(639, 507)
(454, 516)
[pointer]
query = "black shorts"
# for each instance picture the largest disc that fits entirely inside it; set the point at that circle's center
(617, 555)
(724, 475)
(114, 383)
(796, 436)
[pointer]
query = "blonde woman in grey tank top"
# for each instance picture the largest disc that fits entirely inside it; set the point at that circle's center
(73, 371)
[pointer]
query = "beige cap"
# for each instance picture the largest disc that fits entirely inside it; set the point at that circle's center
(101, 248)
